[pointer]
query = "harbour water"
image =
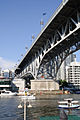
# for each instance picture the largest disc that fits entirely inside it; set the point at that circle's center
(42, 106)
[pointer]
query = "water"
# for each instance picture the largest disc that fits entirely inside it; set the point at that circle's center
(42, 106)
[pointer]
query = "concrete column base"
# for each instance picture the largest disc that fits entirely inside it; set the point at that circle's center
(44, 85)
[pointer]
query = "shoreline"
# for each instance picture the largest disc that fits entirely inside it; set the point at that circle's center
(45, 92)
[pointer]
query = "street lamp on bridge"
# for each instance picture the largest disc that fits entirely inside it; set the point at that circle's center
(21, 54)
(32, 38)
(26, 48)
(42, 22)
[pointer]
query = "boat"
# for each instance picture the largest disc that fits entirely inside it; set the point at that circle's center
(69, 107)
(7, 93)
(32, 97)
(68, 104)
(77, 92)
(28, 96)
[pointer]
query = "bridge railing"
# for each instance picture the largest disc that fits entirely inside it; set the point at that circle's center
(53, 16)
(59, 8)
(64, 1)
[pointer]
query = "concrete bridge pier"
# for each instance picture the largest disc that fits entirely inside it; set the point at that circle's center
(44, 84)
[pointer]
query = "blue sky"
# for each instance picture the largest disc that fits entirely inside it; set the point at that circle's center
(19, 20)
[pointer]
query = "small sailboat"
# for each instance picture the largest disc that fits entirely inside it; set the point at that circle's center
(68, 104)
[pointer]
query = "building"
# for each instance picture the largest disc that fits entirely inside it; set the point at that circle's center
(5, 83)
(62, 71)
(6, 77)
(73, 74)
(8, 82)
(7, 73)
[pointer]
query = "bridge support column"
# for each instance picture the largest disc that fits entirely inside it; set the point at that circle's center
(44, 85)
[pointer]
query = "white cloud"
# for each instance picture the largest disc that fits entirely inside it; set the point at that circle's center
(6, 64)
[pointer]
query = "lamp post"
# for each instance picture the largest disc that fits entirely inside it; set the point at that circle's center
(18, 60)
(21, 54)
(26, 48)
(42, 22)
(26, 106)
(32, 38)
(25, 110)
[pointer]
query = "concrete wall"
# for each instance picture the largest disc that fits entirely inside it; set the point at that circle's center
(18, 84)
(44, 85)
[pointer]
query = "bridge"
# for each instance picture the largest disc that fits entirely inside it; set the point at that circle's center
(57, 40)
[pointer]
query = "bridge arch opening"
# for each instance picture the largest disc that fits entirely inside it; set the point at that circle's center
(28, 79)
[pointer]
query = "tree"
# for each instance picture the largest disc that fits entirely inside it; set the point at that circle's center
(63, 83)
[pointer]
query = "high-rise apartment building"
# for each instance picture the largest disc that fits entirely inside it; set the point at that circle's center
(62, 71)
(73, 74)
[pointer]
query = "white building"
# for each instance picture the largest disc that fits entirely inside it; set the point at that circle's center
(73, 74)
(62, 71)
(7, 73)
(6, 77)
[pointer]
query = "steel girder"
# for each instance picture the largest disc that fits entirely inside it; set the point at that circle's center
(64, 41)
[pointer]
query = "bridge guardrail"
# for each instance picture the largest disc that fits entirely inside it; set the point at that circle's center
(54, 14)
(58, 8)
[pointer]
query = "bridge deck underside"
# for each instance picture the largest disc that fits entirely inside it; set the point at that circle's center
(64, 12)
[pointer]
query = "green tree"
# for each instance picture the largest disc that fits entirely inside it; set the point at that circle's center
(63, 83)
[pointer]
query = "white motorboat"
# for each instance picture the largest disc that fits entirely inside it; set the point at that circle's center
(68, 104)
(68, 107)
(28, 96)
(32, 97)
(7, 93)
